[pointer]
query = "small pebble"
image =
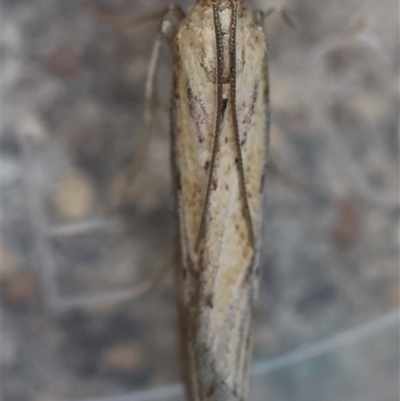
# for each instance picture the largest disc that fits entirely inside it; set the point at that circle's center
(124, 357)
(74, 197)
(20, 287)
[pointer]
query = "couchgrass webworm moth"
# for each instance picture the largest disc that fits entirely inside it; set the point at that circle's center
(219, 143)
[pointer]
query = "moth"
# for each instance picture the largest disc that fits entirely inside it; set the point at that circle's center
(219, 144)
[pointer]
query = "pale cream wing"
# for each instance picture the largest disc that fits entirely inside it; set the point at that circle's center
(217, 281)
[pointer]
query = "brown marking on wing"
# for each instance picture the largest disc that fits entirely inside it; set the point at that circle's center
(198, 112)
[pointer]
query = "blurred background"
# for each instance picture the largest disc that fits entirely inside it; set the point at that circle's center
(328, 315)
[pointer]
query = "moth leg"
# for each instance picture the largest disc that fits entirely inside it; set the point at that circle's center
(154, 278)
(167, 31)
(124, 183)
(261, 16)
(155, 15)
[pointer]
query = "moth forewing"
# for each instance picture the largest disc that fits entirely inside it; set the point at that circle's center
(219, 143)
